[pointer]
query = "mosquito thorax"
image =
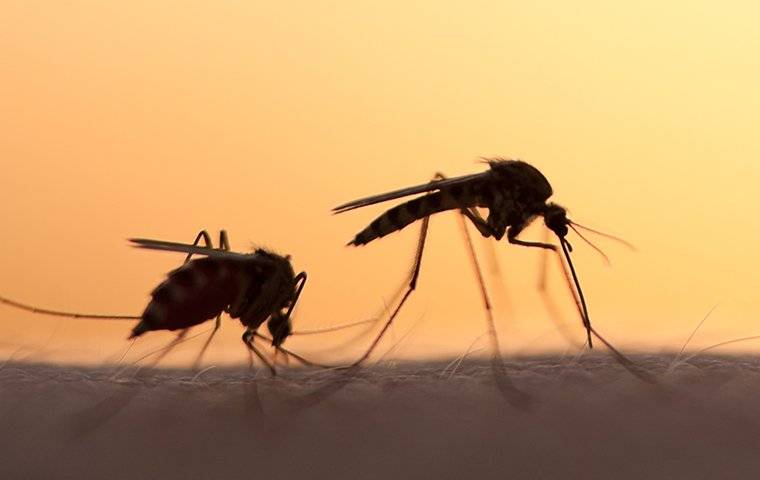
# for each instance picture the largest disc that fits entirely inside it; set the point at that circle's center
(281, 263)
(555, 218)
(532, 183)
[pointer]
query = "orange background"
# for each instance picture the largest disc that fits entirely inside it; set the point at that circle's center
(157, 119)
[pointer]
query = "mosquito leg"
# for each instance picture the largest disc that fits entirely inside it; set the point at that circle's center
(224, 244)
(248, 336)
(165, 351)
(485, 230)
(483, 227)
(250, 359)
(217, 324)
(472, 214)
(513, 395)
(58, 313)
(544, 265)
(415, 272)
(202, 235)
(289, 353)
(517, 241)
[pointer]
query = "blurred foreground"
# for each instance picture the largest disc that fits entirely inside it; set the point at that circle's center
(590, 419)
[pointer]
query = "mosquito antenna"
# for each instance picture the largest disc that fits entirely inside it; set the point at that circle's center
(598, 250)
(58, 313)
(586, 320)
(607, 235)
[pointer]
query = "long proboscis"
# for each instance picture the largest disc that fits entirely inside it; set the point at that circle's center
(584, 313)
(627, 363)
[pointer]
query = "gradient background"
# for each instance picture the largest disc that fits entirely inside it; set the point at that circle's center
(157, 119)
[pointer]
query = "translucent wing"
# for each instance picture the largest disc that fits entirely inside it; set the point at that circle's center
(425, 187)
(185, 248)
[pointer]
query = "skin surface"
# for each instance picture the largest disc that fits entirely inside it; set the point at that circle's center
(589, 419)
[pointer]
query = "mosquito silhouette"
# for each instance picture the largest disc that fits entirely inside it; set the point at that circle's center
(256, 288)
(515, 194)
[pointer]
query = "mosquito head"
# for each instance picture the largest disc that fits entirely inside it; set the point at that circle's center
(555, 218)
(279, 323)
(280, 328)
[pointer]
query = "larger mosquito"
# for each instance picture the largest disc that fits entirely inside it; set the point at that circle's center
(514, 192)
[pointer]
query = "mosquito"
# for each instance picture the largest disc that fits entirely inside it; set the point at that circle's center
(253, 287)
(515, 194)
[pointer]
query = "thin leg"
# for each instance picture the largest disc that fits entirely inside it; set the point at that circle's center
(289, 353)
(248, 336)
(163, 352)
(483, 227)
(415, 272)
(523, 243)
(503, 381)
(203, 234)
(543, 268)
(224, 244)
(250, 359)
(58, 313)
(217, 324)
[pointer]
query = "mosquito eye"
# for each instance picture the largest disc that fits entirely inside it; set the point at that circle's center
(280, 329)
(560, 229)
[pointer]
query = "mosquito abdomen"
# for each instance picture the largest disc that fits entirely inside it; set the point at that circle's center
(190, 295)
(402, 215)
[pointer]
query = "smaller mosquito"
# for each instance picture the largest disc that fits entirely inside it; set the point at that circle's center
(255, 288)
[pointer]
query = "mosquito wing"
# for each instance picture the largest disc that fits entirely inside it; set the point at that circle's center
(185, 248)
(425, 187)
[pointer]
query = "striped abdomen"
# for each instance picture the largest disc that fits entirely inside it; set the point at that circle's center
(198, 291)
(456, 197)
